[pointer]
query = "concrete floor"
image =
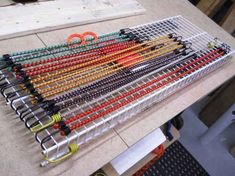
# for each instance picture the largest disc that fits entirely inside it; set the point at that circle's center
(215, 156)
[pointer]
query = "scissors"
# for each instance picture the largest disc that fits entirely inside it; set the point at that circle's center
(82, 37)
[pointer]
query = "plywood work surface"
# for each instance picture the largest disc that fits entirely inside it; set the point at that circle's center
(20, 155)
(19, 19)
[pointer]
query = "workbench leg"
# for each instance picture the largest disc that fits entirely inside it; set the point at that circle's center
(224, 121)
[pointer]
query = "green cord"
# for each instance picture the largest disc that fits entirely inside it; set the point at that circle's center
(58, 46)
(56, 51)
(81, 50)
(59, 49)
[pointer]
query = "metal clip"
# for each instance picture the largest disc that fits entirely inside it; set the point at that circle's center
(55, 118)
(73, 148)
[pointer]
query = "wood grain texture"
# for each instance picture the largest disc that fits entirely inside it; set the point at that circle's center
(229, 21)
(219, 103)
(209, 7)
(30, 18)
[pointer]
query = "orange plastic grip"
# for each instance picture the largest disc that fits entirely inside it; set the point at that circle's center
(89, 33)
(72, 36)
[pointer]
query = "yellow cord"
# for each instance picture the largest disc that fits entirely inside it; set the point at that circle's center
(54, 119)
(58, 72)
(102, 69)
(76, 72)
(71, 84)
(73, 148)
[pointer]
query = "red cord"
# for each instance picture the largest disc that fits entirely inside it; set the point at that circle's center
(92, 51)
(141, 93)
(98, 107)
(67, 63)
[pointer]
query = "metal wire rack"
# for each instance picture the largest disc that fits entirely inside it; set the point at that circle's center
(58, 146)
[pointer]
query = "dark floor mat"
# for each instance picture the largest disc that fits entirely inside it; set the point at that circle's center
(176, 161)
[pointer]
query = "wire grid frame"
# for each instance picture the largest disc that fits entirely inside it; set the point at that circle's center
(152, 30)
(65, 46)
(178, 25)
(139, 105)
(55, 51)
(182, 27)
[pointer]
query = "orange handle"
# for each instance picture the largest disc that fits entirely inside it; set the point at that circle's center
(91, 34)
(81, 37)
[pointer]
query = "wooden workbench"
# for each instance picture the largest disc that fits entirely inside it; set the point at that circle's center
(20, 154)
